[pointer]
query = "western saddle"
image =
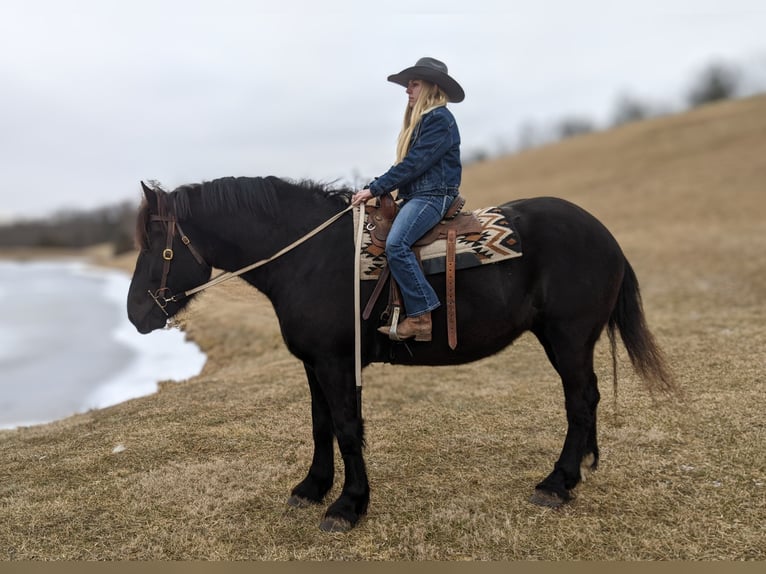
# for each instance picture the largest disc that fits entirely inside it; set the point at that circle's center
(380, 218)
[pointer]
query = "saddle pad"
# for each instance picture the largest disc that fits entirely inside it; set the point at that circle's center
(497, 241)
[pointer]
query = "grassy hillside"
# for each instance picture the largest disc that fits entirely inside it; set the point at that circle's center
(453, 454)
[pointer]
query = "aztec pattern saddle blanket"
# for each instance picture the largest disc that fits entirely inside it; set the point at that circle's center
(498, 240)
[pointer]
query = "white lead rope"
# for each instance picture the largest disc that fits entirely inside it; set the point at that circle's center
(230, 274)
(357, 309)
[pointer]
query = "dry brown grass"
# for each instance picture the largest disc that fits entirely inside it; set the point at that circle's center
(454, 453)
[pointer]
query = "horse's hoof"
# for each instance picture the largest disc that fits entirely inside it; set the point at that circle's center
(332, 524)
(299, 502)
(547, 499)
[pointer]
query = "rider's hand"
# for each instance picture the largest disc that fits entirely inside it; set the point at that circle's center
(361, 196)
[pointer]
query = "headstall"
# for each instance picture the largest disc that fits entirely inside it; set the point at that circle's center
(167, 255)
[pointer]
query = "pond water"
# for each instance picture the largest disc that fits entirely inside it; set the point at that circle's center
(66, 345)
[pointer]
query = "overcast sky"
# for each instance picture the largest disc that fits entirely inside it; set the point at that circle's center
(96, 95)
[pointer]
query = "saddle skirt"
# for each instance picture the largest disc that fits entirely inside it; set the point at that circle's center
(496, 241)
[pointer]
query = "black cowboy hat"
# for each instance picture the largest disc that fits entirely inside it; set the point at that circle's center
(434, 71)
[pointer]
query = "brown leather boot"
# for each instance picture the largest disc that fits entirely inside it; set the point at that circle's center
(418, 327)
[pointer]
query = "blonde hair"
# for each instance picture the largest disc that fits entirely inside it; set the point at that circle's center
(431, 96)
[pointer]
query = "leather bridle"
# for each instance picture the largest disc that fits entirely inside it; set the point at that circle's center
(171, 224)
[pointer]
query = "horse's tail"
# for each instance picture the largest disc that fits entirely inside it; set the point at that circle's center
(646, 356)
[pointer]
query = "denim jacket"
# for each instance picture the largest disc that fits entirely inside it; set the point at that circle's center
(432, 164)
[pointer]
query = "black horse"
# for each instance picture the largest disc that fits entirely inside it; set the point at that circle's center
(571, 282)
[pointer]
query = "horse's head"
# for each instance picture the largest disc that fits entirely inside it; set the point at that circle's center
(167, 265)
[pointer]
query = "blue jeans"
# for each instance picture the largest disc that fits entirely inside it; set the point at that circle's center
(415, 218)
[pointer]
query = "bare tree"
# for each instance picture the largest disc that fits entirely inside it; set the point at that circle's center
(719, 81)
(574, 125)
(630, 109)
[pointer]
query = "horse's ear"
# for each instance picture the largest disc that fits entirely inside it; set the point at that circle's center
(151, 195)
(148, 191)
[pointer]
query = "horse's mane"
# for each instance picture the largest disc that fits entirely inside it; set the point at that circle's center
(236, 195)
(250, 194)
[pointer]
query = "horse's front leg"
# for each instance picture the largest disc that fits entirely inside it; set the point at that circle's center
(318, 482)
(337, 381)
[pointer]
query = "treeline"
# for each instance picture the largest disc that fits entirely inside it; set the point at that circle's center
(74, 229)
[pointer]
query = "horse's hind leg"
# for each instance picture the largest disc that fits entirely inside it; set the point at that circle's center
(318, 482)
(572, 357)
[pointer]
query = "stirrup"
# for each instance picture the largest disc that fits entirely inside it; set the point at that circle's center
(394, 324)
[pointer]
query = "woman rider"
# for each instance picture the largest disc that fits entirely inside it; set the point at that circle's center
(427, 174)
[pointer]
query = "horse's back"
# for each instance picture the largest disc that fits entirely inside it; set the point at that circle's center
(551, 225)
(562, 215)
